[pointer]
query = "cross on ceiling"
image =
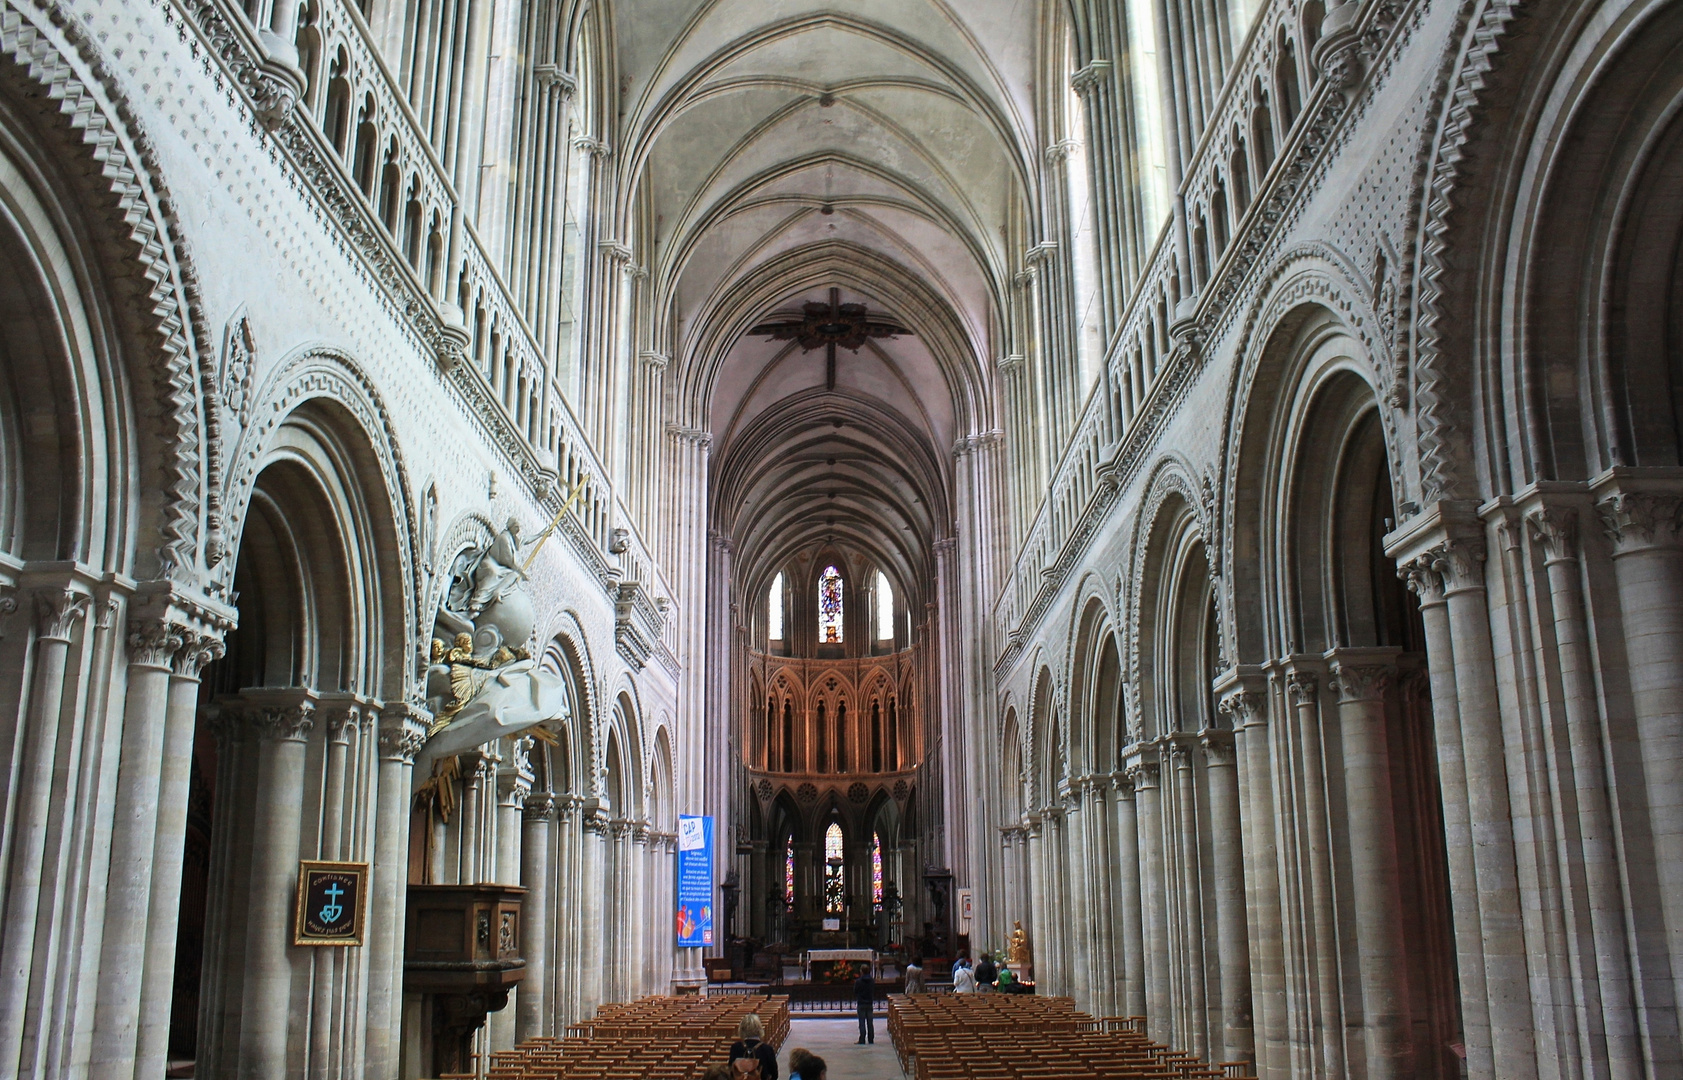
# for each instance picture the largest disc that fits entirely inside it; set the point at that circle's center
(830, 325)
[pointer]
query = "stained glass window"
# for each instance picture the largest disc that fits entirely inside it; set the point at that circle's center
(835, 888)
(885, 607)
(830, 605)
(774, 609)
(789, 872)
(876, 871)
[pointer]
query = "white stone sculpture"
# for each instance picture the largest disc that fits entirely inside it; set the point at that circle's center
(484, 685)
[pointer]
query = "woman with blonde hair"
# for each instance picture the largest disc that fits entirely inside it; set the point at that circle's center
(750, 1050)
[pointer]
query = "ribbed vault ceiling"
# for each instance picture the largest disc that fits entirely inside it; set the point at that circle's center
(779, 151)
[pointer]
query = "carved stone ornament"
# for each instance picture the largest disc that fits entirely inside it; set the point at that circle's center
(540, 807)
(1461, 562)
(57, 610)
(238, 368)
(279, 83)
(1423, 580)
(1636, 521)
(403, 731)
(286, 723)
(154, 642)
(196, 651)
(482, 683)
(1301, 687)
(1143, 774)
(1242, 707)
(1362, 682)
(1555, 528)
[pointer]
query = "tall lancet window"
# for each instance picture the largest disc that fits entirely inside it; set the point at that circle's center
(830, 605)
(789, 871)
(774, 609)
(835, 887)
(876, 871)
(885, 607)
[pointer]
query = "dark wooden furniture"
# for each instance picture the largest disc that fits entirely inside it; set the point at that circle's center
(461, 949)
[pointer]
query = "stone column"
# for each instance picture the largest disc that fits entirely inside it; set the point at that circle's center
(1233, 939)
(592, 928)
(1555, 529)
(513, 781)
(152, 645)
(1039, 920)
(1078, 946)
(1362, 677)
(1460, 560)
(284, 721)
(1425, 581)
(1302, 688)
(181, 722)
(1155, 915)
(1648, 564)
(342, 717)
(531, 1009)
(1101, 878)
(1128, 905)
(58, 610)
(403, 730)
(638, 973)
(1247, 709)
(1192, 915)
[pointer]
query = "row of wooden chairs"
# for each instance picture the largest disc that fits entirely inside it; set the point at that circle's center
(989, 1037)
(660, 1038)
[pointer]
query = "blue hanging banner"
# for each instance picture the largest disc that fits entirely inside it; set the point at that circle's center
(695, 882)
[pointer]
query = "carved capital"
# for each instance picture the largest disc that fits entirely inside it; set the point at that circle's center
(154, 642)
(690, 436)
(1639, 521)
(342, 719)
(228, 725)
(1144, 775)
(596, 148)
(1218, 746)
(1243, 707)
(1088, 78)
(286, 723)
(1362, 682)
(403, 731)
(1059, 152)
(196, 651)
(57, 610)
(551, 77)
(1461, 563)
(1302, 687)
(1423, 579)
(540, 807)
(1555, 528)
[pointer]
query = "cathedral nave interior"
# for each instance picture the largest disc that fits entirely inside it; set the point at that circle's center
(528, 519)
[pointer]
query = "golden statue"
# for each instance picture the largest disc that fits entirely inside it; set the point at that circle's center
(466, 678)
(1017, 952)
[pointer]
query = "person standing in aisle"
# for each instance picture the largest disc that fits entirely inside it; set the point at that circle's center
(865, 995)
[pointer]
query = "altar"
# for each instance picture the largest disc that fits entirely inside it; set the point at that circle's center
(831, 965)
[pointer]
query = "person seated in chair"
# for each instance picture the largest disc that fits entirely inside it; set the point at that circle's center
(751, 1047)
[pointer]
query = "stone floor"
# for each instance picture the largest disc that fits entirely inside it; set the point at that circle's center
(836, 1041)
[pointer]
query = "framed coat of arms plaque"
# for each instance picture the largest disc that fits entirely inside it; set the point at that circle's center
(332, 899)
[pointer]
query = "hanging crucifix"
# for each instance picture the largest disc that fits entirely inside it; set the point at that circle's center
(830, 325)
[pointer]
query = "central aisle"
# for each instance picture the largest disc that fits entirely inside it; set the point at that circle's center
(836, 1041)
